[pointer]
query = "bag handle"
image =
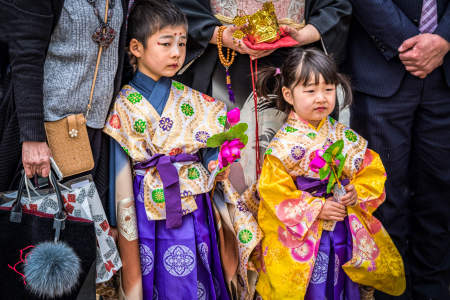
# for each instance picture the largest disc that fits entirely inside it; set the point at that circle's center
(59, 217)
(99, 54)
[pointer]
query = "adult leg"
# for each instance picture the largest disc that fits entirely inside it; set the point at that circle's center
(387, 125)
(430, 205)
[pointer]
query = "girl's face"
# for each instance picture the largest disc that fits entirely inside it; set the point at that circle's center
(164, 53)
(312, 102)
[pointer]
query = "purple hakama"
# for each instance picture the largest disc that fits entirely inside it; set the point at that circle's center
(182, 262)
(328, 279)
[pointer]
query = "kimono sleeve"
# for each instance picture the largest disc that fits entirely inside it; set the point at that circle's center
(297, 210)
(369, 182)
(121, 126)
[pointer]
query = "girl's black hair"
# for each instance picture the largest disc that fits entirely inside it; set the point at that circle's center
(299, 67)
(149, 16)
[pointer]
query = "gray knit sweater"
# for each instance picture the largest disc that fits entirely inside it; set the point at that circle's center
(70, 64)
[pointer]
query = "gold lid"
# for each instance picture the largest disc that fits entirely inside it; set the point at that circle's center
(259, 27)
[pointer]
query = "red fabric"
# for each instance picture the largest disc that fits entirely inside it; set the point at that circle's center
(285, 41)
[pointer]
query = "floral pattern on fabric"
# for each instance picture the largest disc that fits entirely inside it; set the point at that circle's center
(158, 196)
(178, 85)
(290, 129)
(202, 136)
(304, 252)
(134, 98)
(175, 151)
(366, 248)
(350, 135)
(320, 271)
(193, 173)
(222, 120)
(311, 135)
(165, 124)
(115, 121)
(203, 251)
(201, 291)
(187, 109)
(140, 126)
(147, 259)
(245, 236)
(179, 260)
(208, 98)
(298, 152)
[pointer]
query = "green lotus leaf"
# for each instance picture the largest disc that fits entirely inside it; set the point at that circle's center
(341, 166)
(244, 139)
(327, 156)
(331, 182)
(216, 140)
(335, 148)
(324, 172)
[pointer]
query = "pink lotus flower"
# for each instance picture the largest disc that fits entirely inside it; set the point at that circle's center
(234, 116)
(317, 162)
(230, 152)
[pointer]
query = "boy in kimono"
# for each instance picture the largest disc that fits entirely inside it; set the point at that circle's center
(167, 237)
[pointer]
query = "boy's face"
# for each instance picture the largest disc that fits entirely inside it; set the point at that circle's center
(164, 53)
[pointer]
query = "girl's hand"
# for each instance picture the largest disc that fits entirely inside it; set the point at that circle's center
(332, 211)
(351, 197)
(307, 35)
(236, 44)
(222, 176)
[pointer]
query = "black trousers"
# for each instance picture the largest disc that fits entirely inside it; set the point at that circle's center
(411, 132)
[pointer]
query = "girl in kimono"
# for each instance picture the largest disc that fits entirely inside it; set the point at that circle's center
(167, 237)
(301, 256)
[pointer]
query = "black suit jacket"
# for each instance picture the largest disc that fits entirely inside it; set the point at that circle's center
(378, 28)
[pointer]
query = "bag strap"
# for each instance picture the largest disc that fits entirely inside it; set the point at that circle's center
(99, 54)
(59, 217)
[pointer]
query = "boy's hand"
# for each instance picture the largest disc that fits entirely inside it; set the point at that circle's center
(332, 211)
(351, 197)
(222, 176)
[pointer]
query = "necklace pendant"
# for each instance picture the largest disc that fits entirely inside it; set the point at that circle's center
(104, 35)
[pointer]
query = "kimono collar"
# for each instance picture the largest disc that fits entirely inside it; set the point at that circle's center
(156, 92)
(293, 115)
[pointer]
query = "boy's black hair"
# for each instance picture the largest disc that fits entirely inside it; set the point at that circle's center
(300, 67)
(149, 16)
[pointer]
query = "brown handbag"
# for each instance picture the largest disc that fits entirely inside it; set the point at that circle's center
(68, 138)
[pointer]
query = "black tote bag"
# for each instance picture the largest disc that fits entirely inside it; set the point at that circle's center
(20, 229)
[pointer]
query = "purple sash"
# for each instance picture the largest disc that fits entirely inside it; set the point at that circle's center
(171, 182)
(316, 187)
(328, 279)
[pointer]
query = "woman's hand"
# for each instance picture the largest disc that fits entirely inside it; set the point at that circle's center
(238, 45)
(332, 211)
(351, 197)
(222, 176)
(307, 35)
(36, 158)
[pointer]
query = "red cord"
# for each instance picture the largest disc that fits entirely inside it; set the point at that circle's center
(255, 100)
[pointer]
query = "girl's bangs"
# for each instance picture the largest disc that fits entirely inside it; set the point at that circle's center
(311, 68)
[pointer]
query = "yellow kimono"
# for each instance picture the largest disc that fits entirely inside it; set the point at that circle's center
(289, 217)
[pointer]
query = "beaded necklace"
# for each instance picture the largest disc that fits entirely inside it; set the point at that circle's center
(226, 61)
